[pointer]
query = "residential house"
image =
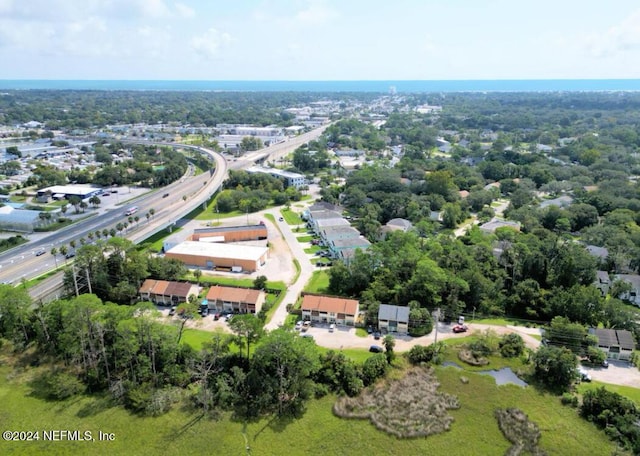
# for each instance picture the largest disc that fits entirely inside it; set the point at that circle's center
(328, 309)
(338, 245)
(600, 253)
(495, 223)
(633, 295)
(236, 300)
(323, 223)
(561, 201)
(602, 282)
(616, 343)
(167, 293)
(321, 206)
(393, 318)
(334, 233)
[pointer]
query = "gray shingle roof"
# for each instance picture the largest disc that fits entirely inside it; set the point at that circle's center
(393, 313)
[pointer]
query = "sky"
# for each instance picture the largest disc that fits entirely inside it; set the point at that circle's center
(319, 39)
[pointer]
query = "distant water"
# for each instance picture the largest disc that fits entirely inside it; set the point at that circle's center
(520, 85)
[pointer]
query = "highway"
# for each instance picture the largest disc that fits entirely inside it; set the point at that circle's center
(21, 263)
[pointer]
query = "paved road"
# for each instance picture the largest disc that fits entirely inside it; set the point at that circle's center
(306, 271)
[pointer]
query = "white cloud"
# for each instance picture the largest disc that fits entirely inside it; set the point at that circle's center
(316, 13)
(209, 43)
(185, 11)
(620, 38)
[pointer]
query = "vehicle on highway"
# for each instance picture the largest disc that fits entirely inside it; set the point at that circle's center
(106, 194)
(132, 210)
(70, 254)
(376, 349)
(40, 252)
(165, 195)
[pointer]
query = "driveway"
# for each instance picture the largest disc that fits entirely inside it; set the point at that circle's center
(618, 373)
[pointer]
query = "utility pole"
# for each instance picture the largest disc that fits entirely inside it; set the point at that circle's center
(86, 270)
(75, 280)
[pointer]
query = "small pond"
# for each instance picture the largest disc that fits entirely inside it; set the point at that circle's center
(504, 376)
(451, 364)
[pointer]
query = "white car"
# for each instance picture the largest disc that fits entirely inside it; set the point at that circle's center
(332, 327)
(298, 326)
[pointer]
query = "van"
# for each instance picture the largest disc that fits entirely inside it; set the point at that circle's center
(332, 327)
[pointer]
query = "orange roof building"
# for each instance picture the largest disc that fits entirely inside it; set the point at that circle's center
(329, 309)
(237, 300)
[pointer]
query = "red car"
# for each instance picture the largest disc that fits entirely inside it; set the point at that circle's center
(460, 328)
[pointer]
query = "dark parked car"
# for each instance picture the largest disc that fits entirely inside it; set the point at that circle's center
(460, 328)
(369, 329)
(70, 255)
(376, 349)
(605, 363)
(376, 335)
(165, 195)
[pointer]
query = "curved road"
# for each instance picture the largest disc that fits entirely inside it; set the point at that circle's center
(21, 263)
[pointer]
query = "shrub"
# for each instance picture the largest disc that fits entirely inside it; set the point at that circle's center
(511, 345)
(569, 399)
(374, 367)
(62, 385)
(426, 354)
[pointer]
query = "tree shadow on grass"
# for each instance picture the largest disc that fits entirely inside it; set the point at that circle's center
(95, 406)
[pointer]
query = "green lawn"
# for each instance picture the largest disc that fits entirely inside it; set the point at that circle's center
(313, 249)
(183, 431)
(291, 217)
(318, 283)
(305, 238)
(154, 243)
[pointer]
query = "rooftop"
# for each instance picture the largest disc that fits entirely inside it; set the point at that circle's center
(241, 252)
(329, 304)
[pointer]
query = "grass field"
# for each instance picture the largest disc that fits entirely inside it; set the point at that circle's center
(318, 283)
(291, 217)
(154, 243)
(313, 249)
(305, 238)
(184, 431)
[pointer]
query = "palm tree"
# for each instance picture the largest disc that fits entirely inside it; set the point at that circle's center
(126, 225)
(95, 201)
(147, 215)
(54, 252)
(152, 211)
(83, 241)
(137, 219)
(63, 251)
(83, 205)
(197, 273)
(112, 232)
(130, 220)
(105, 233)
(72, 243)
(90, 236)
(98, 234)
(119, 227)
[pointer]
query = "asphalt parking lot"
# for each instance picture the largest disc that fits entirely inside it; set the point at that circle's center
(618, 373)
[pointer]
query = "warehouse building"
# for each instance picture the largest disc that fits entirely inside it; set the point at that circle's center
(231, 233)
(224, 257)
